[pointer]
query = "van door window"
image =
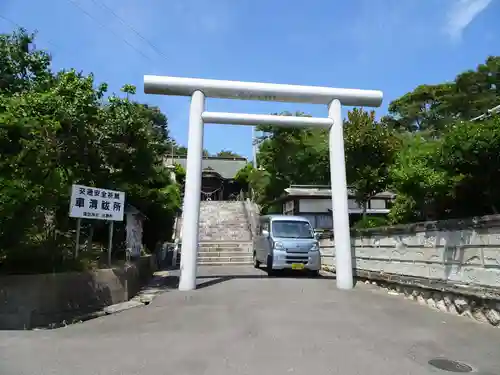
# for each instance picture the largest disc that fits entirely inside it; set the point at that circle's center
(292, 229)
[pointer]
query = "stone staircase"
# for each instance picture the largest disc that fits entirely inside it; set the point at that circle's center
(225, 235)
(225, 253)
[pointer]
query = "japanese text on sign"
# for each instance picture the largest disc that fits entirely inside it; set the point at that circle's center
(93, 203)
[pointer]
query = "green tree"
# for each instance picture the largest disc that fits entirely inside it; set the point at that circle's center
(370, 148)
(470, 152)
(424, 187)
(57, 129)
(436, 178)
(227, 154)
(22, 67)
(425, 108)
(243, 176)
(290, 156)
(182, 151)
(431, 107)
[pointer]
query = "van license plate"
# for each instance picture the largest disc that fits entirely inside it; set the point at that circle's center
(297, 266)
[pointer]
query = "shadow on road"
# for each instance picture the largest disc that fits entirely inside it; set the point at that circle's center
(164, 282)
(217, 279)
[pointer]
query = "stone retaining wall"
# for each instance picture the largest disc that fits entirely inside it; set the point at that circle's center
(28, 301)
(459, 258)
(481, 309)
(464, 251)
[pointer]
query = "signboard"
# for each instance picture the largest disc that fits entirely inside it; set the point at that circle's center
(94, 203)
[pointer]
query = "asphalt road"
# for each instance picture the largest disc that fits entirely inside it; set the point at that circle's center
(251, 324)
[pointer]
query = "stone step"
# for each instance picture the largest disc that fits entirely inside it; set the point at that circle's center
(229, 217)
(221, 261)
(222, 226)
(223, 221)
(227, 233)
(213, 254)
(225, 245)
(239, 211)
(226, 260)
(219, 220)
(225, 238)
(214, 221)
(216, 250)
(224, 213)
(225, 264)
(213, 250)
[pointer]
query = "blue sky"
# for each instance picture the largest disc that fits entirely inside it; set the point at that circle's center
(389, 45)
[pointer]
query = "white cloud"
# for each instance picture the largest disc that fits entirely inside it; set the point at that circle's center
(461, 14)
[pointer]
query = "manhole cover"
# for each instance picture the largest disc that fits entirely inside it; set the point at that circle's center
(449, 365)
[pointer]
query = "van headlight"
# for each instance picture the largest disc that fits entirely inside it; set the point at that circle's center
(315, 247)
(278, 246)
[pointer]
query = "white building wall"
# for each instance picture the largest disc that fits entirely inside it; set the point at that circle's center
(321, 205)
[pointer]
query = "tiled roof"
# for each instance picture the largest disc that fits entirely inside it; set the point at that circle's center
(226, 167)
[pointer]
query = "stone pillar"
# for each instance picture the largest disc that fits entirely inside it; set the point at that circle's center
(171, 168)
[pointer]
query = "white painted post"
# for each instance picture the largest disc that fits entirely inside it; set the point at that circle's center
(254, 147)
(270, 92)
(340, 211)
(110, 241)
(189, 247)
(78, 228)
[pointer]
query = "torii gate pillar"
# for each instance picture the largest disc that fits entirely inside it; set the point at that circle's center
(198, 89)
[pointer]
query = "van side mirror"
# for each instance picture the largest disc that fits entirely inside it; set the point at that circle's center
(265, 233)
(317, 235)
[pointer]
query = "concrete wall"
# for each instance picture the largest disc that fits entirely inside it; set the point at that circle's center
(28, 301)
(455, 251)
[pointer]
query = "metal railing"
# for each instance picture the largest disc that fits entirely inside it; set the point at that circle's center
(252, 215)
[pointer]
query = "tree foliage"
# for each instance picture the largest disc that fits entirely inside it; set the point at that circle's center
(301, 156)
(227, 154)
(432, 107)
(426, 150)
(447, 158)
(289, 156)
(57, 129)
(370, 148)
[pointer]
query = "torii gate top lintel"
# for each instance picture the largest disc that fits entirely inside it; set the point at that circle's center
(199, 89)
(164, 85)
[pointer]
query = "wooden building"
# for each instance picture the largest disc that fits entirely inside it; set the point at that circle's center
(218, 175)
(315, 203)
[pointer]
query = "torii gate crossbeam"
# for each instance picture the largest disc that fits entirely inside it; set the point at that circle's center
(199, 89)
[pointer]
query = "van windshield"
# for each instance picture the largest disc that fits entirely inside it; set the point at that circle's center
(292, 229)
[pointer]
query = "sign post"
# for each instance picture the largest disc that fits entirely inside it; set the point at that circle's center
(78, 227)
(110, 241)
(98, 204)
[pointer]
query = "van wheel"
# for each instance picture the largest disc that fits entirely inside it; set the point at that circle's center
(256, 263)
(314, 273)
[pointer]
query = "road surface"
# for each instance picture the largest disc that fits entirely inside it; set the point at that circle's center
(246, 323)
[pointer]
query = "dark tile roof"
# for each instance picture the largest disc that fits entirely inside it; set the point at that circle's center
(226, 167)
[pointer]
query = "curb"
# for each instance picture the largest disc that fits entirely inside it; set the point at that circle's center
(146, 295)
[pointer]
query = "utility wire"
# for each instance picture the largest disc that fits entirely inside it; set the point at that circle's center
(104, 6)
(107, 28)
(9, 20)
(20, 27)
(154, 47)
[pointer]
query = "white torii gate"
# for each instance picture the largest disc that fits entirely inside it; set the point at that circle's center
(198, 89)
